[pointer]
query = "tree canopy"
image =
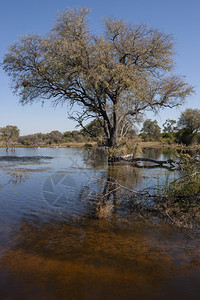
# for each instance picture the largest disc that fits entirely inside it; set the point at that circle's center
(9, 134)
(114, 76)
(151, 128)
(93, 129)
(190, 120)
(169, 126)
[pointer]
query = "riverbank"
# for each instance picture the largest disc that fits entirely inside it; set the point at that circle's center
(63, 145)
(153, 145)
(156, 145)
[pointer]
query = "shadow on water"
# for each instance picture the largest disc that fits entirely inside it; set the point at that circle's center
(23, 158)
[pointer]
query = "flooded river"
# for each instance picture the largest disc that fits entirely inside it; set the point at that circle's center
(53, 245)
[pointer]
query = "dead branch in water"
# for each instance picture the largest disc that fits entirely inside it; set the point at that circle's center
(180, 210)
(169, 164)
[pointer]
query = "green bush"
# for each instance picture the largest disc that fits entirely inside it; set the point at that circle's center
(185, 137)
(68, 139)
(168, 135)
(189, 182)
(88, 146)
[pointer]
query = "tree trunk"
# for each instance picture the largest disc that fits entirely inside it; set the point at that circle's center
(113, 139)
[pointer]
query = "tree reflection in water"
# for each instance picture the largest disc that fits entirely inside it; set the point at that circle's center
(108, 192)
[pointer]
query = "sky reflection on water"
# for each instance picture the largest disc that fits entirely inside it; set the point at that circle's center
(51, 247)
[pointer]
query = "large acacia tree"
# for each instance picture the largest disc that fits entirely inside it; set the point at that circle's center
(113, 77)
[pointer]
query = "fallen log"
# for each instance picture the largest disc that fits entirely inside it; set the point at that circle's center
(133, 161)
(159, 162)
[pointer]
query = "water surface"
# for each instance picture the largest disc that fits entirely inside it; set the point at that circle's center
(53, 246)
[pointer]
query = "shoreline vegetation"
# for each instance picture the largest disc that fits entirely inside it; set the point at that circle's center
(62, 145)
(143, 145)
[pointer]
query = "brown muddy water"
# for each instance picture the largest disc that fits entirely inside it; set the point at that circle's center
(52, 245)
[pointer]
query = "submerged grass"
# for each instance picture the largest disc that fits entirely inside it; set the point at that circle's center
(173, 198)
(179, 201)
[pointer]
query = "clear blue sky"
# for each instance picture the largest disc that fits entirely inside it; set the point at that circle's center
(18, 17)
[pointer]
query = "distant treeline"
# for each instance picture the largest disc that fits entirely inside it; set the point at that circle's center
(10, 135)
(42, 139)
(184, 131)
(54, 137)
